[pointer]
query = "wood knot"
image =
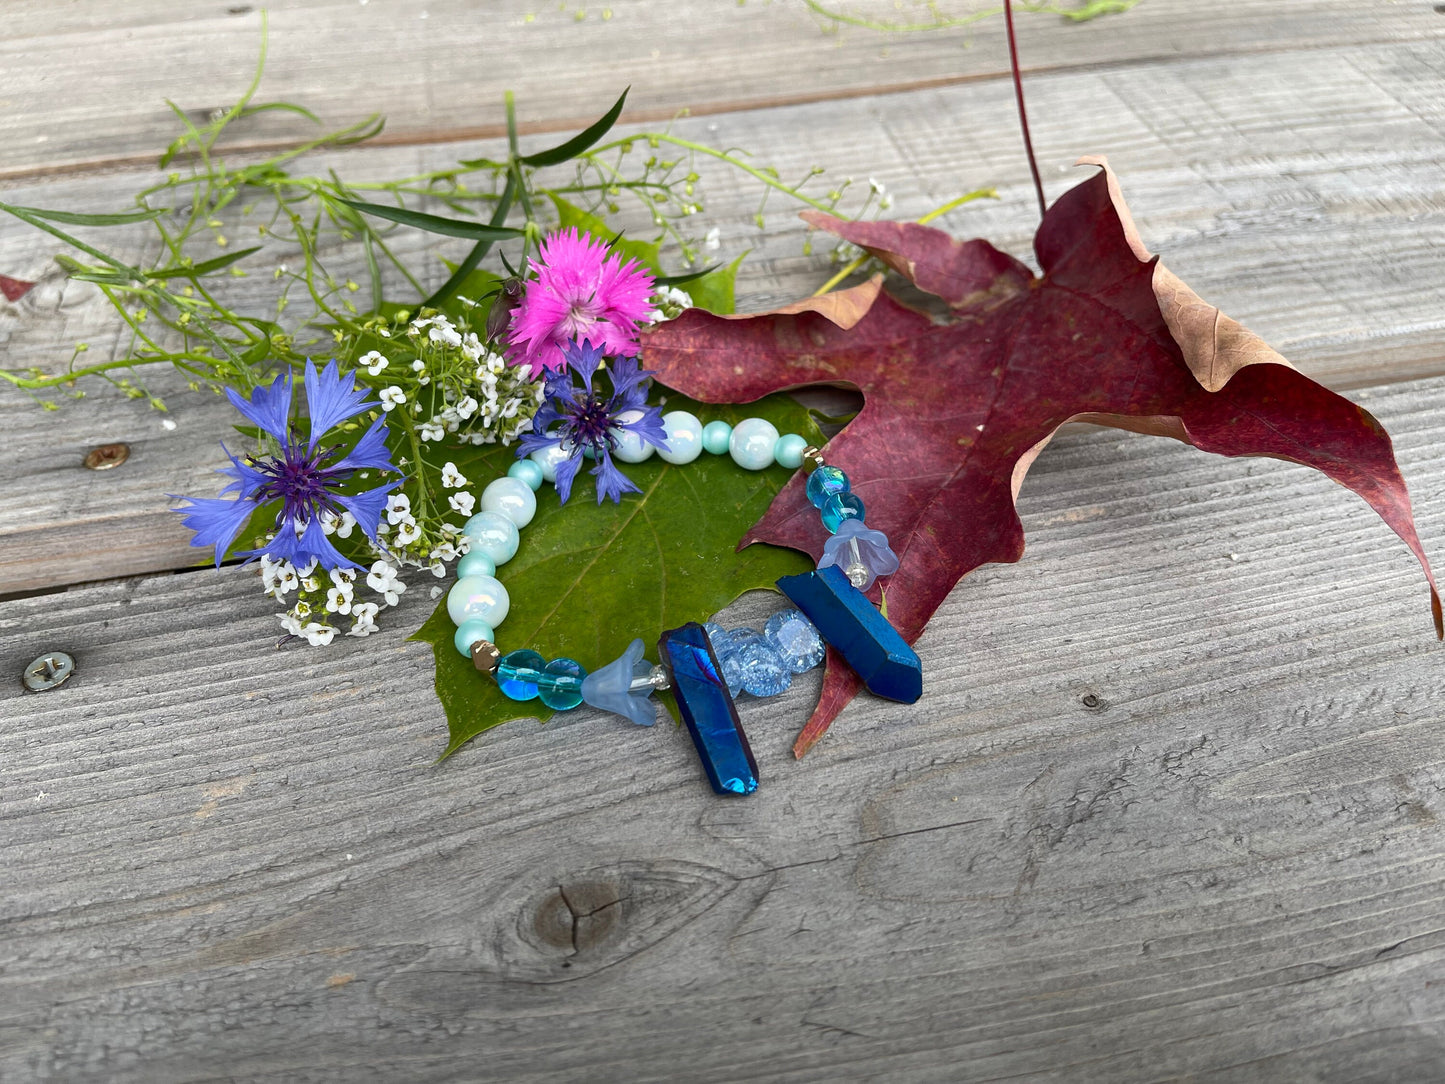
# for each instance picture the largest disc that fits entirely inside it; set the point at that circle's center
(106, 456)
(579, 916)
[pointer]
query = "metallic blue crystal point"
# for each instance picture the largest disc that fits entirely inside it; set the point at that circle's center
(862, 635)
(707, 709)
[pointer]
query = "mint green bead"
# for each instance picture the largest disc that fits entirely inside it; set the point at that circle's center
(475, 563)
(469, 632)
(684, 436)
(752, 443)
(510, 497)
(789, 451)
(529, 471)
(493, 534)
(548, 458)
(715, 437)
(479, 598)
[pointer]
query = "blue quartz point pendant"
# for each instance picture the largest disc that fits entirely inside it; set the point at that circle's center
(707, 709)
(862, 635)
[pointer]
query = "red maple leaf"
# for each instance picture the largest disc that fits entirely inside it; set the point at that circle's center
(14, 289)
(955, 413)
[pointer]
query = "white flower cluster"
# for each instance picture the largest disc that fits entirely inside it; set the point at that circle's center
(323, 600)
(670, 303)
(403, 531)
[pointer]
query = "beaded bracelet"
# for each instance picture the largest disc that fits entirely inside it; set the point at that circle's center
(704, 665)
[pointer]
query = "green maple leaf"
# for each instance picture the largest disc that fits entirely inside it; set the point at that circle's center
(588, 579)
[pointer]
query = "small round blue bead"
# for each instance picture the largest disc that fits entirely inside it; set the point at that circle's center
(789, 451)
(529, 471)
(715, 437)
(824, 482)
(837, 508)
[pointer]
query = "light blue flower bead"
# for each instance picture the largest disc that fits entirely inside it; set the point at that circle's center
(510, 497)
(493, 534)
(475, 563)
(789, 451)
(684, 436)
(469, 632)
(715, 436)
(627, 445)
(548, 458)
(529, 471)
(478, 598)
(752, 443)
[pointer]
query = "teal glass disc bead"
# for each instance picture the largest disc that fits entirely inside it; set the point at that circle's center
(715, 437)
(527, 470)
(839, 507)
(519, 672)
(824, 483)
(752, 443)
(561, 685)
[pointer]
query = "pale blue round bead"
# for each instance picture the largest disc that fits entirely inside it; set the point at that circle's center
(684, 436)
(548, 458)
(510, 497)
(493, 534)
(469, 632)
(475, 563)
(715, 436)
(478, 598)
(529, 471)
(627, 446)
(789, 451)
(752, 442)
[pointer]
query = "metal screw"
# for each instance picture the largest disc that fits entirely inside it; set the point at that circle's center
(1091, 701)
(48, 671)
(107, 456)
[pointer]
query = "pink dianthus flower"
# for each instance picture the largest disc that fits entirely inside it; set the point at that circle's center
(581, 291)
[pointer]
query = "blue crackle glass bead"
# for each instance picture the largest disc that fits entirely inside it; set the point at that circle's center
(824, 482)
(763, 671)
(795, 640)
(838, 508)
(560, 687)
(518, 673)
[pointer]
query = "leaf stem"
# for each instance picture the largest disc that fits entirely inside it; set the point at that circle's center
(1013, 60)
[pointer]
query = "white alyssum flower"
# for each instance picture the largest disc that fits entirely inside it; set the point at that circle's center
(374, 361)
(310, 584)
(317, 634)
(391, 397)
(467, 407)
(418, 366)
(398, 508)
(877, 186)
(451, 477)
(382, 579)
(278, 577)
(363, 619)
(430, 430)
(407, 533)
(462, 503)
(445, 552)
(713, 240)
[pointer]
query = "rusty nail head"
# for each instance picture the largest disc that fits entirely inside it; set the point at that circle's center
(107, 456)
(48, 671)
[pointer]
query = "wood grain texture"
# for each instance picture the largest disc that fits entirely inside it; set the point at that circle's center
(86, 81)
(1169, 809)
(1305, 200)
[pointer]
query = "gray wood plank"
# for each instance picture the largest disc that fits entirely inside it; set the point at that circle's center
(1168, 810)
(1305, 199)
(87, 81)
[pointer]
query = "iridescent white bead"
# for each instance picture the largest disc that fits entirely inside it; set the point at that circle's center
(627, 445)
(478, 598)
(493, 534)
(548, 458)
(684, 437)
(752, 442)
(512, 498)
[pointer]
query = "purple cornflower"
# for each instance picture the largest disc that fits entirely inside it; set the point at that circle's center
(305, 477)
(577, 418)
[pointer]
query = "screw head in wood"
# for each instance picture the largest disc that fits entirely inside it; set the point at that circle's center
(107, 456)
(51, 669)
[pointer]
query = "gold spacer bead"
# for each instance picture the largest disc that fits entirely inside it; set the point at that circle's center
(812, 459)
(485, 656)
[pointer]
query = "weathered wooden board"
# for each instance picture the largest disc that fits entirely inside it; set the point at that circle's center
(86, 81)
(1305, 200)
(1169, 809)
